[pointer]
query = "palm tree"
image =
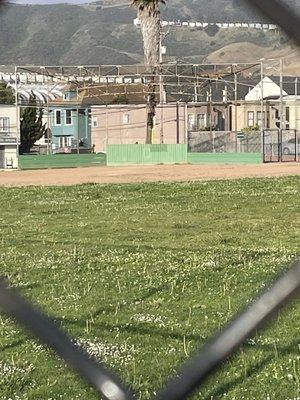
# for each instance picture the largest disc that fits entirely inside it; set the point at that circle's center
(149, 16)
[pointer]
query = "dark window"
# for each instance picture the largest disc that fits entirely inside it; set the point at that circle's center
(58, 117)
(287, 114)
(68, 117)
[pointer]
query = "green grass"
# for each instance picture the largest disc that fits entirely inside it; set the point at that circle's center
(141, 275)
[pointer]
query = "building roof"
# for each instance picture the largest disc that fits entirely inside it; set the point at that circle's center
(107, 93)
(269, 87)
(42, 91)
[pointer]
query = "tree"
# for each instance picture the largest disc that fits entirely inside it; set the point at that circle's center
(6, 94)
(32, 128)
(149, 16)
(120, 99)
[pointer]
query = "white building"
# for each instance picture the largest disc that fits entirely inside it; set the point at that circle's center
(270, 89)
(9, 141)
(292, 112)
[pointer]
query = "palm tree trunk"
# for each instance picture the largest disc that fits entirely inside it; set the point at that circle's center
(150, 26)
(151, 108)
(151, 30)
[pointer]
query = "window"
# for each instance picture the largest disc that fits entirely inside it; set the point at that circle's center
(259, 121)
(94, 121)
(287, 117)
(201, 121)
(125, 119)
(57, 117)
(68, 117)
(250, 122)
(4, 124)
(191, 122)
(64, 141)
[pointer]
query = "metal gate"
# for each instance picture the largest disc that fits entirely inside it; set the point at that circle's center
(281, 145)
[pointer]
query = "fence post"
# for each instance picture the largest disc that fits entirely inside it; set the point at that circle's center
(177, 124)
(280, 145)
(263, 145)
(296, 147)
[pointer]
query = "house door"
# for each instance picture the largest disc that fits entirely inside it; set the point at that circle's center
(2, 157)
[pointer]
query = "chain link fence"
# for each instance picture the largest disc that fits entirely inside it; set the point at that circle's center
(281, 145)
(224, 142)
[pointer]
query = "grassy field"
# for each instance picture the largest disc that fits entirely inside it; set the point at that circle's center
(140, 275)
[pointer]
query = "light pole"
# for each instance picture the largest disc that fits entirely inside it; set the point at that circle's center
(235, 109)
(262, 119)
(17, 111)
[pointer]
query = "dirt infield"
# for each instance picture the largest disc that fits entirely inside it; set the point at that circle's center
(145, 173)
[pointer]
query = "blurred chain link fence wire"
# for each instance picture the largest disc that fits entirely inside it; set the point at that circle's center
(204, 362)
(224, 142)
(281, 145)
(280, 13)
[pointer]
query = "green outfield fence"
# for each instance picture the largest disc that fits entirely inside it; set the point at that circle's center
(134, 155)
(119, 154)
(61, 161)
(173, 154)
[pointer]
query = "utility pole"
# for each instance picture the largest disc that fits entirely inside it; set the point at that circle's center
(282, 117)
(162, 99)
(17, 111)
(195, 85)
(106, 127)
(195, 92)
(161, 83)
(177, 124)
(161, 123)
(48, 121)
(235, 108)
(77, 92)
(262, 120)
(282, 124)
(212, 135)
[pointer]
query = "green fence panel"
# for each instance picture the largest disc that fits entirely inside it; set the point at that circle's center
(131, 154)
(224, 158)
(61, 161)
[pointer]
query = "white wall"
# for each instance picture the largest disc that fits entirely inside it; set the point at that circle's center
(8, 111)
(11, 156)
(9, 152)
